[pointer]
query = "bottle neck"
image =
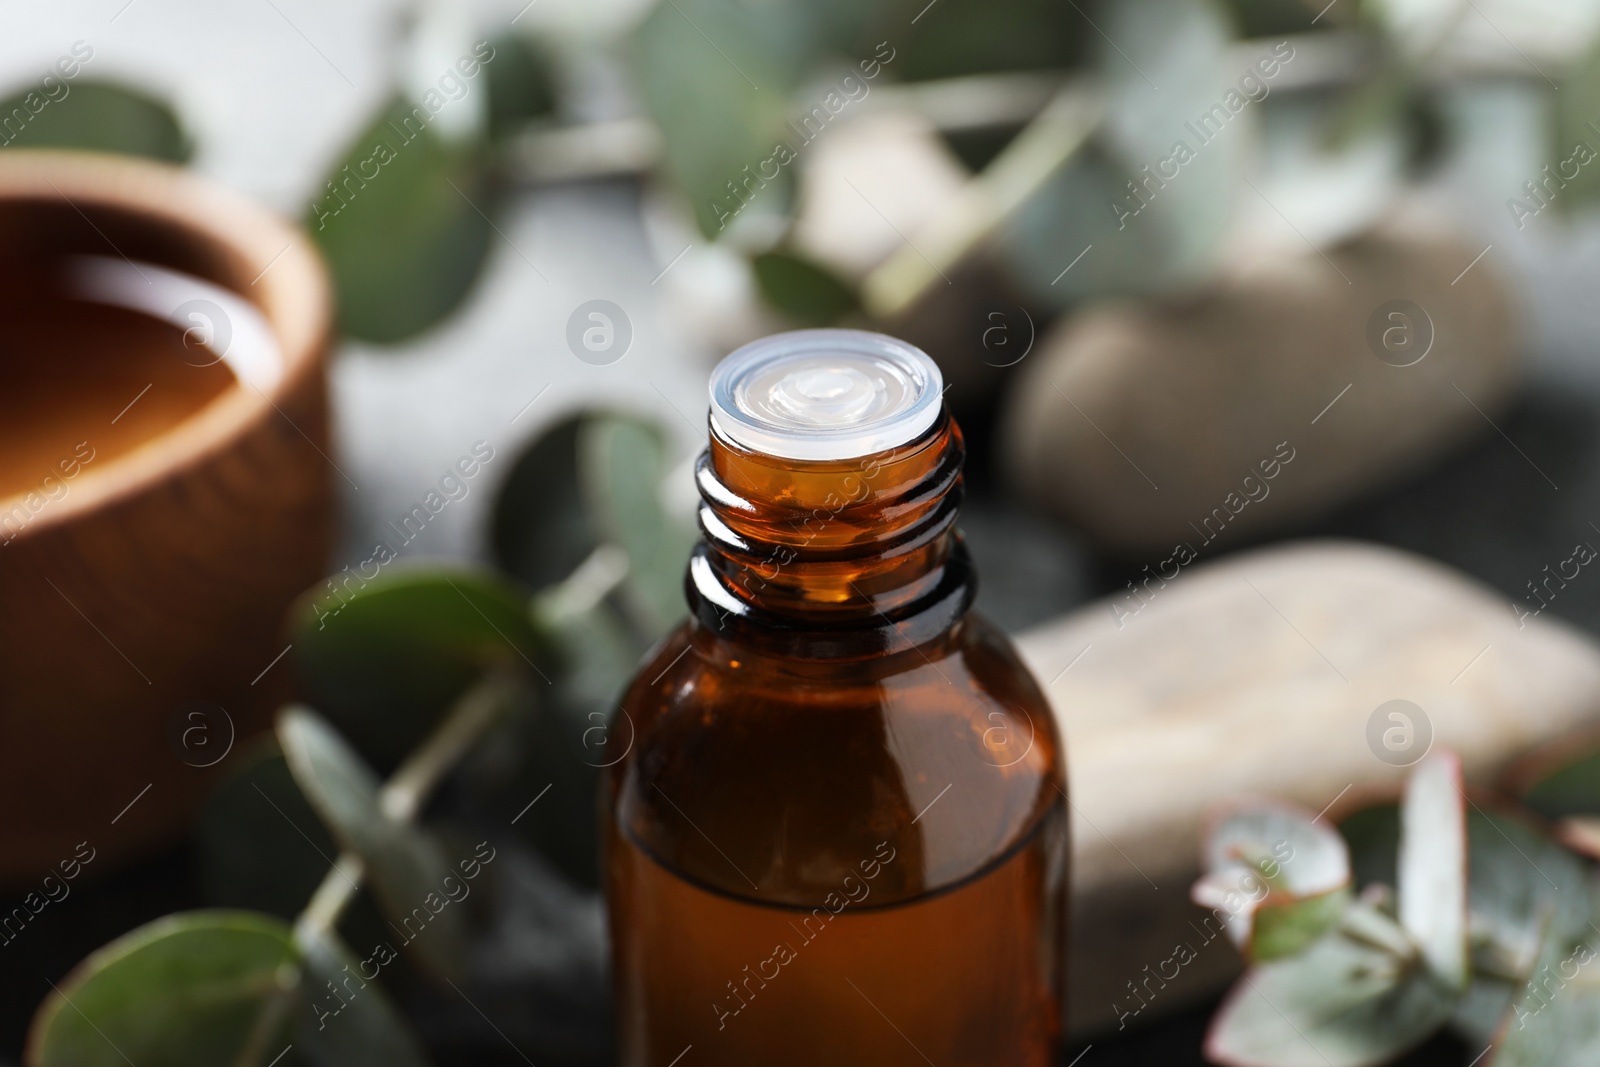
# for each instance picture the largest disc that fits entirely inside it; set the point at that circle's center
(861, 555)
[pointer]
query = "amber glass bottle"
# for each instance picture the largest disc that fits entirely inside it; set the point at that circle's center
(839, 835)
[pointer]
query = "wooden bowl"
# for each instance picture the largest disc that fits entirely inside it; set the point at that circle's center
(161, 576)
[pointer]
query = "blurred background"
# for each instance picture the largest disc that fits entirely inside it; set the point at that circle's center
(1155, 245)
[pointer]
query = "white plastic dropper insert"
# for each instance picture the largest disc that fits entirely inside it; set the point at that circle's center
(825, 394)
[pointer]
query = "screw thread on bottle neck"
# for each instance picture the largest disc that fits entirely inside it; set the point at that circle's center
(861, 543)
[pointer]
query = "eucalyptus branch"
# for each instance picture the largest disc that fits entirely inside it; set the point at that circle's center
(403, 794)
(590, 582)
(1025, 164)
(546, 153)
(338, 888)
(401, 797)
(408, 788)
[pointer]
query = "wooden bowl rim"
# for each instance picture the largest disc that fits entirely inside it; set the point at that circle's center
(291, 289)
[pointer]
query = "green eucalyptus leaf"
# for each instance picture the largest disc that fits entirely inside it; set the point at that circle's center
(716, 76)
(1559, 780)
(406, 868)
(1576, 133)
(1556, 1016)
(1481, 1008)
(1413, 27)
(622, 466)
(1280, 877)
(803, 290)
(349, 1020)
(598, 651)
(1521, 882)
(260, 843)
(584, 734)
(1289, 928)
(541, 531)
(1376, 103)
(402, 223)
(1342, 1003)
(1432, 890)
(544, 770)
(521, 86)
(1329, 189)
(383, 658)
(1372, 832)
(1277, 18)
(962, 37)
(98, 116)
(187, 990)
(1516, 877)
(1148, 203)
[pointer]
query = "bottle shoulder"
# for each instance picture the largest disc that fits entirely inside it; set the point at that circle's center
(786, 773)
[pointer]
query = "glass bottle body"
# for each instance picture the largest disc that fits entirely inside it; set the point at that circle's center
(839, 833)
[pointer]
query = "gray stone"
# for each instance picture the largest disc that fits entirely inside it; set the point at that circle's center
(1261, 674)
(1150, 423)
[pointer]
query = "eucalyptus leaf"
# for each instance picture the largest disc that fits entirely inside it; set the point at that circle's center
(1328, 188)
(716, 76)
(383, 658)
(804, 291)
(1294, 852)
(1575, 136)
(962, 37)
(1148, 203)
(1277, 18)
(1342, 1003)
(1559, 780)
(1433, 866)
(622, 467)
(1372, 833)
(1556, 1016)
(348, 1019)
(1375, 103)
(1481, 1008)
(1521, 882)
(1289, 928)
(402, 223)
(260, 843)
(544, 770)
(406, 868)
(534, 769)
(1414, 27)
(1280, 877)
(541, 532)
(584, 734)
(186, 990)
(97, 116)
(521, 85)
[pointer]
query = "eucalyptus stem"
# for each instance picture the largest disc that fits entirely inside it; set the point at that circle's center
(338, 888)
(1052, 138)
(590, 582)
(1369, 926)
(408, 788)
(403, 795)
